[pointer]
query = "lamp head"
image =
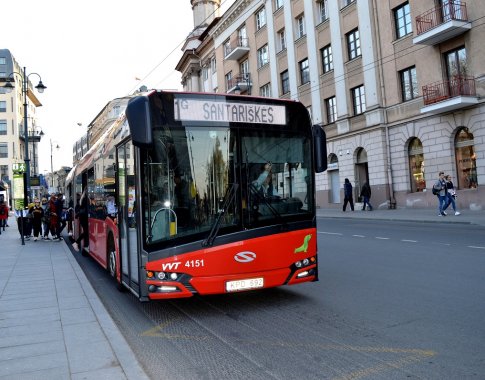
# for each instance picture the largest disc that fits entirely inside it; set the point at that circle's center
(8, 86)
(40, 87)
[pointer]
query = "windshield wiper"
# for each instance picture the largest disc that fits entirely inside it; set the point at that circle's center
(228, 199)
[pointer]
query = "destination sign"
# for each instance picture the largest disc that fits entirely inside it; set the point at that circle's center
(213, 111)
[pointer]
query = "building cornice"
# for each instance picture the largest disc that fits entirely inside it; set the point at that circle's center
(231, 15)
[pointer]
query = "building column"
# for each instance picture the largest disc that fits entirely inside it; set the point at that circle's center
(313, 62)
(290, 49)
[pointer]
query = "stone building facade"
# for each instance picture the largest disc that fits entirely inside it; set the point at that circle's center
(397, 86)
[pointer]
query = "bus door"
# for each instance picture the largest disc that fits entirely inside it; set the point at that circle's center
(127, 216)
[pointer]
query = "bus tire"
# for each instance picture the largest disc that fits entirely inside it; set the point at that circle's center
(113, 263)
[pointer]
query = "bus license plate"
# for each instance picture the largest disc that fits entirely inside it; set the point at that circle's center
(250, 283)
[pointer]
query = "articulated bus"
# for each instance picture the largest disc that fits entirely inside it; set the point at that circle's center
(198, 194)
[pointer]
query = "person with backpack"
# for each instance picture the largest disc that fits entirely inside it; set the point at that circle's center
(450, 195)
(365, 193)
(439, 189)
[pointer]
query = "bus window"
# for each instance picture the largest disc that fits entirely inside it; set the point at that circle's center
(186, 178)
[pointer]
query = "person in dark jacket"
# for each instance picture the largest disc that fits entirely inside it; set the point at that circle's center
(36, 214)
(365, 193)
(348, 198)
(82, 213)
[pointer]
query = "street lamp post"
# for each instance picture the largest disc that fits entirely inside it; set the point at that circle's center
(52, 165)
(25, 88)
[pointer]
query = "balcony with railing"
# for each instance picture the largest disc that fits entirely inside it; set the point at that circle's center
(237, 49)
(442, 23)
(453, 93)
(240, 84)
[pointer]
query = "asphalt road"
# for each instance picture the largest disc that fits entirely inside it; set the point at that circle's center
(395, 301)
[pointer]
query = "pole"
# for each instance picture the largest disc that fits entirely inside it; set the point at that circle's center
(52, 169)
(25, 83)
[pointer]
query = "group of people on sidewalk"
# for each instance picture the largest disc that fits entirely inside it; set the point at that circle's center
(365, 194)
(45, 217)
(445, 191)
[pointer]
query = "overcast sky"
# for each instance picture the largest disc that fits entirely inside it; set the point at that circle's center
(89, 52)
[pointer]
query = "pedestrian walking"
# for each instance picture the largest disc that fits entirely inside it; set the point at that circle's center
(439, 189)
(3, 215)
(23, 222)
(53, 217)
(365, 193)
(60, 211)
(348, 198)
(82, 214)
(36, 213)
(450, 195)
(46, 219)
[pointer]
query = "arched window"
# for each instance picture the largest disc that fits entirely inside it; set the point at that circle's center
(416, 165)
(466, 160)
(361, 171)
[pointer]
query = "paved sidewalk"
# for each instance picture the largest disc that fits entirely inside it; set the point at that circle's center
(427, 215)
(52, 323)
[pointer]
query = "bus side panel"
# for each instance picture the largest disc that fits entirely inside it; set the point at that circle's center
(97, 240)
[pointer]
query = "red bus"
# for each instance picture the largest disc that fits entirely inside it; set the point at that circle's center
(204, 194)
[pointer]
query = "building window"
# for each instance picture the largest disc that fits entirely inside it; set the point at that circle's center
(260, 18)
(242, 37)
(456, 62)
(347, 2)
(466, 160)
(227, 47)
(409, 84)
(3, 127)
(3, 106)
(331, 107)
(278, 4)
(265, 90)
(213, 65)
(281, 40)
(402, 20)
(244, 68)
(358, 98)
(285, 82)
(263, 56)
(327, 59)
(353, 44)
(3, 172)
(416, 165)
(3, 61)
(323, 10)
(3, 150)
(228, 80)
(304, 71)
(300, 26)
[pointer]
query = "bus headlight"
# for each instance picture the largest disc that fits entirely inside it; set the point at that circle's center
(161, 275)
(173, 276)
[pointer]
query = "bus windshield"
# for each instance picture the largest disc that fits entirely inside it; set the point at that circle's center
(190, 173)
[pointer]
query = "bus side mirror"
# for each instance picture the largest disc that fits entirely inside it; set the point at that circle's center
(139, 120)
(319, 149)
